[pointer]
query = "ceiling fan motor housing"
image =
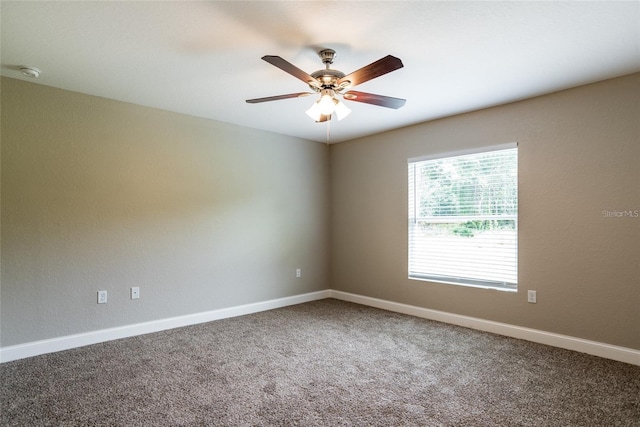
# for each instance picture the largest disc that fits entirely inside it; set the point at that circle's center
(326, 79)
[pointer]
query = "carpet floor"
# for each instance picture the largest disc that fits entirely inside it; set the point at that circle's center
(324, 363)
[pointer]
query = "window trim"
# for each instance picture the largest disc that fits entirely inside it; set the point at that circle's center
(475, 150)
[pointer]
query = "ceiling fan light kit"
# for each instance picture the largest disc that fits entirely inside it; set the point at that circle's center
(330, 84)
(327, 105)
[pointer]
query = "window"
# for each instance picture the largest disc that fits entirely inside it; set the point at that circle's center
(463, 218)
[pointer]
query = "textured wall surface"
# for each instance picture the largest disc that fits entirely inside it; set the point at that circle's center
(104, 195)
(579, 155)
(99, 194)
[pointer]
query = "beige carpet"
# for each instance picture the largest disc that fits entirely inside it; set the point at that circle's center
(325, 363)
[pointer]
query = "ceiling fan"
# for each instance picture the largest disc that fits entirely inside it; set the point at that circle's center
(329, 83)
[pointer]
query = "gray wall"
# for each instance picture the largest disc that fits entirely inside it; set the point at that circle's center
(104, 195)
(579, 154)
(99, 194)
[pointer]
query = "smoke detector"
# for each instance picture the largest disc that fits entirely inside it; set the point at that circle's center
(30, 72)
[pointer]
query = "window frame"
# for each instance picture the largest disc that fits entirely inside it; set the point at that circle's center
(413, 216)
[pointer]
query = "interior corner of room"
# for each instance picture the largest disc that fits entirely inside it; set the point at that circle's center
(120, 218)
(206, 217)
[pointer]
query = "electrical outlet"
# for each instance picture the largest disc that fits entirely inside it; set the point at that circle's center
(102, 297)
(135, 292)
(298, 272)
(532, 297)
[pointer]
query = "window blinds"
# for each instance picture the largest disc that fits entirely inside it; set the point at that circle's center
(463, 213)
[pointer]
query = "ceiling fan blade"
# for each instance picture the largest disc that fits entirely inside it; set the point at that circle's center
(288, 67)
(370, 98)
(277, 97)
(375, 69)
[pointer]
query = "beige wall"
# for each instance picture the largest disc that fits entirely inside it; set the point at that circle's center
(103, 195)
(579, 154)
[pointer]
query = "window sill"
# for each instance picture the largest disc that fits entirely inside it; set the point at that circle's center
(469, 285)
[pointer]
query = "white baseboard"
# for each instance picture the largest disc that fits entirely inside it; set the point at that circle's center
(608, 351)
(595, 348)
(36, 348)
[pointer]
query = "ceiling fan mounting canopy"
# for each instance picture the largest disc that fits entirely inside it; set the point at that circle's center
(329, 83)
(327, 56)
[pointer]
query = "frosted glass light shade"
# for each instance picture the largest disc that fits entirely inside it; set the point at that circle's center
(341, 110)
(314, 112)
(326, 103)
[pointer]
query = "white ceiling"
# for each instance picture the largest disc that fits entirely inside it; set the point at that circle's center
(203, 58)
